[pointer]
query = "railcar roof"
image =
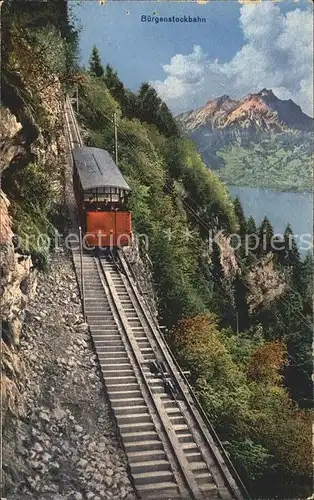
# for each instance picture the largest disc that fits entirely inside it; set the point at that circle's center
(96, 168)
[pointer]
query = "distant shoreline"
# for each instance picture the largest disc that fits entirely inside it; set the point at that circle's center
(265, 188)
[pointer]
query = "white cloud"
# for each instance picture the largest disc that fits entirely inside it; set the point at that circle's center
(277, 54)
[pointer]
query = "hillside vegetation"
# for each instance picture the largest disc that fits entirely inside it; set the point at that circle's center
(241, 324)
(39, 58)
(270, 164)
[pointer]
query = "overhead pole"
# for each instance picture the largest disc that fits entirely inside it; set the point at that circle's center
(82, 273)
(77, 99)
(115, 137)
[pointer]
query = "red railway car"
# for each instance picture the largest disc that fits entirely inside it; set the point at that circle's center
(101, 195)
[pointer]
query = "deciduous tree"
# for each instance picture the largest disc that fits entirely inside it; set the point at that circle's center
(267, 361)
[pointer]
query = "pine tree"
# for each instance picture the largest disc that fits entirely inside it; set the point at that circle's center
(217, 269)
(166, 124)
(114, 85)
(292, 257)
(251, 232)
(149, 103)
(242, 224)
(242, 310)
(95, 66)
(279, 249)
(265, 235)
(307, 283)
(308, 266)
(240, 215)
(131, 104)
(296, 330)
(251, 226)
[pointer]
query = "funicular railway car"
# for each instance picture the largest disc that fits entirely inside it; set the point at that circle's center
(101, 195)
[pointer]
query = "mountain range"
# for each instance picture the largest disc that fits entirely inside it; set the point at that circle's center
(258, 141)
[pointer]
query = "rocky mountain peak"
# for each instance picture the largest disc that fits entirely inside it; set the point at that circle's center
(267, 93)
(261, 110)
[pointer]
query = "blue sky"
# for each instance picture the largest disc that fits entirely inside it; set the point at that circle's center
(240, 48)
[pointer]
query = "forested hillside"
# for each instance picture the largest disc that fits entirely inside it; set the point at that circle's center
(241, 324)
(39, 49)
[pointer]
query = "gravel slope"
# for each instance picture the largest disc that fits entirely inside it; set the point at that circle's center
(64, 444)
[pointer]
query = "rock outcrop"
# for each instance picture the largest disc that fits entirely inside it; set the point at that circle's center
(64, 443)
(17, 281)
(31, 132)
(262, 111)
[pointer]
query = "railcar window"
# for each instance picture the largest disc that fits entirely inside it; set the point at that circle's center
(103, 198)
(105, 194)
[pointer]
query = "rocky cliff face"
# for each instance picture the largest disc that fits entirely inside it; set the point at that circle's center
(31, 132)
(16, 279)
(64, 443)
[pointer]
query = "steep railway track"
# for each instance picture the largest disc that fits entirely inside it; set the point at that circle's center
(171, 451)
(74, 135)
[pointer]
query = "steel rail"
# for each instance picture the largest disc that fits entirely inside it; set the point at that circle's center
(226, 485)
(240, 491)
(194, 491)
(76, 139)
(198, 405)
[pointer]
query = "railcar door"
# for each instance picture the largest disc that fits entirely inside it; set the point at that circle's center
(100, 228)
(123, 229)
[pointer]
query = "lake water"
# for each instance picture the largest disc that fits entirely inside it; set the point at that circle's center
(280, 208)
